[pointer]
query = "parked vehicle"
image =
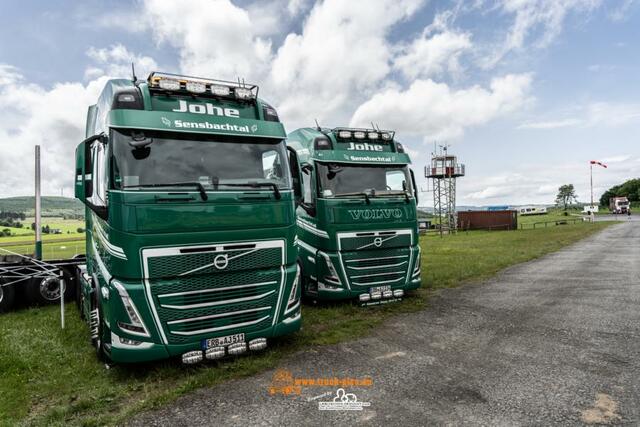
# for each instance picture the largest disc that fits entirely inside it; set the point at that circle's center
(357, 222)
(532, 210)
(619, 205)
(190, 220)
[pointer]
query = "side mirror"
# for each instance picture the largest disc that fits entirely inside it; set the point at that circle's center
(84, 179)
(294, 167)
(415, 188)
(306, 167)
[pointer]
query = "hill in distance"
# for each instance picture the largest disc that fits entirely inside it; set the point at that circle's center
(51, 205)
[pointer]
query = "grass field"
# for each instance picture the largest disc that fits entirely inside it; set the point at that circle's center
(51, 376)
(553, 214)
(54, 246)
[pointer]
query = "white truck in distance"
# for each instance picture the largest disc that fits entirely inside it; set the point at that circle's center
(619, 205)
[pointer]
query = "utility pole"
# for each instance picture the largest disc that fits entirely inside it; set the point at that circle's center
(38, 207)
(591, 179)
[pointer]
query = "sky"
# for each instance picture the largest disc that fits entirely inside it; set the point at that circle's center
(524, 92)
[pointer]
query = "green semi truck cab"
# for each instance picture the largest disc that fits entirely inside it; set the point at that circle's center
(357, 224)
(190, 212)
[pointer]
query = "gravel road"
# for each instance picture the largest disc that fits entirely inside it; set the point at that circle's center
(552, 341)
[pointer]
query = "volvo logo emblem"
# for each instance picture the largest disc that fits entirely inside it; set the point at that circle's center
(221, 261)
(377, 242)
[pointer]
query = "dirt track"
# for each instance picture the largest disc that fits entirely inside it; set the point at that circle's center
(552, 341)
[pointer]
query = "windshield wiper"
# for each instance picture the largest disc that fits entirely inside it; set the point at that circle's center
(276, 190)
(359, 193)
(404, 193)
(198, 185)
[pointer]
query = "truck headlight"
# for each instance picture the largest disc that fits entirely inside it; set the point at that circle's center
(293, 296)
(135, 325)
(333, 278)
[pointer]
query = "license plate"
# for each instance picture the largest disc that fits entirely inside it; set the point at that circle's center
(379, 289)
(223, 341)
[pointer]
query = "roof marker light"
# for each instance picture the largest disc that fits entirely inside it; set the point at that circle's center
(373, 135)
(196, 87)
(386, 136)
(359, 135)
(169, 84)
(220, 90)
(243, 93)
(346, 134)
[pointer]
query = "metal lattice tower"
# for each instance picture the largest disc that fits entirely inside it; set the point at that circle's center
(443, 171)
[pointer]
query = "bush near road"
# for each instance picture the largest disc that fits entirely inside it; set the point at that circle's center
(51, 376)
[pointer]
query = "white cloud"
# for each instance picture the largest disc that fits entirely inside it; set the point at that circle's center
(435, 111)
(612, 114)
(535, 21)
(616, 159)
(432, 56)
(212, 38)
(621, 12)
(9, 75)
(116, 61)
(550, 124)
(530, 184)
(593, 114)
(53, 118)
(341, 54)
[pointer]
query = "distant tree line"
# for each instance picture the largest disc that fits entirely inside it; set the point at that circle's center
(630, 189)
(12, 215)
(10, 222)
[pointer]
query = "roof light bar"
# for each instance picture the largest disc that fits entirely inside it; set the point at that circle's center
(220, 90)
(372, 134)
(359, 134)
(169, 84)
(202, 86)
(196, 87)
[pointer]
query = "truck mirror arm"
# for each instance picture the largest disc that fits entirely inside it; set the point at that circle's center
(101, 211)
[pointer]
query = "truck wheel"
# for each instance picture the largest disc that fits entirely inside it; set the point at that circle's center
(47, 290)
(7, 296)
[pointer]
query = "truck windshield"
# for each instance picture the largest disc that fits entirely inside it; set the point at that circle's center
(343, 179)
(215, 162)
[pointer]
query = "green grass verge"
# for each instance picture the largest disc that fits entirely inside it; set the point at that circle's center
(51, 377)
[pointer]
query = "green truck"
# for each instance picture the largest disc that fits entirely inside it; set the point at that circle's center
(357, 224)
(190, 212)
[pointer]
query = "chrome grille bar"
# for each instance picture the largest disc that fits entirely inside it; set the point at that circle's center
(226, 288)
(378, 274)
(372, 267)
(217, 316)
(214, 303)
(220, 328)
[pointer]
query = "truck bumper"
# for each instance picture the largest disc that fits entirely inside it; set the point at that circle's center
(124, 350)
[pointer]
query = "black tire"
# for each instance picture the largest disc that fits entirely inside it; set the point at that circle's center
(41, 291)
(7, 297)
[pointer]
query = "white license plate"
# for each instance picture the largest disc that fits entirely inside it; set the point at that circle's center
(223, 341)
(379, 289)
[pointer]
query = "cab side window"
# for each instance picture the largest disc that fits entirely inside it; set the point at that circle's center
(307, 194)
(99, 175)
